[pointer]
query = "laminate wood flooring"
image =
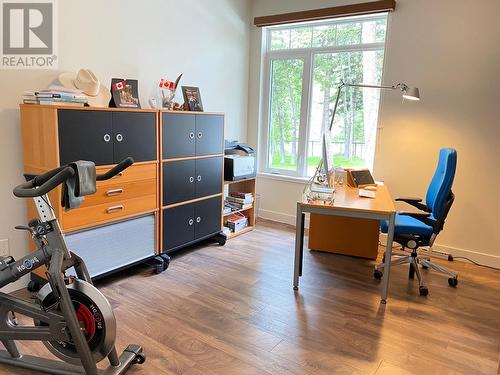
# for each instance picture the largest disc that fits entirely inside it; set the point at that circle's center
(232, 310)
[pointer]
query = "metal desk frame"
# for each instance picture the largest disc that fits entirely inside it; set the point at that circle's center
(302, 209)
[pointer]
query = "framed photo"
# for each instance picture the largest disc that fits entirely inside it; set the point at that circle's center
(192, 98)
(124, 93)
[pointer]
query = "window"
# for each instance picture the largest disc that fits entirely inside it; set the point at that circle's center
(304, 63)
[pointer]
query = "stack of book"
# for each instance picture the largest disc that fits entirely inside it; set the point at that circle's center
(239, 201)
(56, 95)
(237, 223)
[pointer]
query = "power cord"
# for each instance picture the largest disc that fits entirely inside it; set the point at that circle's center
(451, 258)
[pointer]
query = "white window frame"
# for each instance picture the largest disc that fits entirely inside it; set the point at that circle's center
(307, 55)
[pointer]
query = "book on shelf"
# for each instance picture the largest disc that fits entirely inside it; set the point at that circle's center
(239, 200)
(238, 194)
(238, 205)
(64, 104)
(62, 100)
(55, 96)
(237, 223)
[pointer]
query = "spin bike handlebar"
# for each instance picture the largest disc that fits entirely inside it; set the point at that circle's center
(42, 184)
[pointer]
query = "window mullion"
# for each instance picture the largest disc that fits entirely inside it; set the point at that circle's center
(304, 115)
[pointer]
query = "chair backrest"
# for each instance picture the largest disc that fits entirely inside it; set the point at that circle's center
(439, 196)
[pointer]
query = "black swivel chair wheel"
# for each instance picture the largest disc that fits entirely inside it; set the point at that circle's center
(378, 274)
(423, 291)
(453, 282)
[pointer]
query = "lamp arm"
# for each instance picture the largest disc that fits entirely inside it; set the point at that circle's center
(403, 87)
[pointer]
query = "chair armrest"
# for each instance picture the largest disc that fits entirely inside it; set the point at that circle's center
(409, 199)
(413, 201)
(424, 218)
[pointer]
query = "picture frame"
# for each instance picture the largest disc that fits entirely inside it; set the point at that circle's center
(124, 93)
(192, 98)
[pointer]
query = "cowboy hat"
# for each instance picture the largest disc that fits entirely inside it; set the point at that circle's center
(86, 81)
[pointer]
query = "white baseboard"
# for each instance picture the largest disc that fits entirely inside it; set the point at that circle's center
(280, 217)
(482, 258)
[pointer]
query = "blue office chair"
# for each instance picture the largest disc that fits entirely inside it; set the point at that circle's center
(413, 230)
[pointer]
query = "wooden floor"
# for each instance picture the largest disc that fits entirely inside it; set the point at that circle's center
(232, 310)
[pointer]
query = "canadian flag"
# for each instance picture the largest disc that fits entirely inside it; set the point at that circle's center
(119, 85)
(167, 84)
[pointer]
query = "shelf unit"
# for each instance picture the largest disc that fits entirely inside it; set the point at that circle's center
(246, 186)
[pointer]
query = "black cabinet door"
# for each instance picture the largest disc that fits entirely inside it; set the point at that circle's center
(208, 177)
(178, 135)
(178, 226)
(134, 134)
(178, 181)
(209, 134)
(85, 135)
(208, 217)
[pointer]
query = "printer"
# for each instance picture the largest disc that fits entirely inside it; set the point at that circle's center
(239, 161)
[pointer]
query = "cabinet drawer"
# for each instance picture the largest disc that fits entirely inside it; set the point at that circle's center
(131, 174)
(119, 192)
(104, 213)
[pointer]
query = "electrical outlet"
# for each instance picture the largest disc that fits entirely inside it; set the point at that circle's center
(4, 247)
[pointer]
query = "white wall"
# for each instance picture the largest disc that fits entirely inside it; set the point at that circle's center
(206, 40)
(450, 50)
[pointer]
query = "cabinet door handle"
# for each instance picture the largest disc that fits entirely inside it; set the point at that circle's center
(191, 222)
(198, 178)
(119, 137)
(110, 210)
(200, 134)
(110, 193)
(191, 135)
(191, 179)
(106, 138)
(198, 219)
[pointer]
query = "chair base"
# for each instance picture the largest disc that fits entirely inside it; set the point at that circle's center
(415, 260)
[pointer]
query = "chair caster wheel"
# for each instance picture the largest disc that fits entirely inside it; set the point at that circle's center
(378, 274)
(423, 290)
(33, 286)
(139, 359)
(453, 282)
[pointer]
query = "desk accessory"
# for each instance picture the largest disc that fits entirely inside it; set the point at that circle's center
(360, 178)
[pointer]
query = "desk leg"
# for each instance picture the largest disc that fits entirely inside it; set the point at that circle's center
(388, 256)
(299, 246)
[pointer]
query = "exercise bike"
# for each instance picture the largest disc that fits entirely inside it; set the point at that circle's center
(71, 317)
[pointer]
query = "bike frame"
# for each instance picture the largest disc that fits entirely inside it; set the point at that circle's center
(62, 324)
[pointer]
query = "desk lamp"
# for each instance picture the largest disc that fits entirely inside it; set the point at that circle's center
(322, 181)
